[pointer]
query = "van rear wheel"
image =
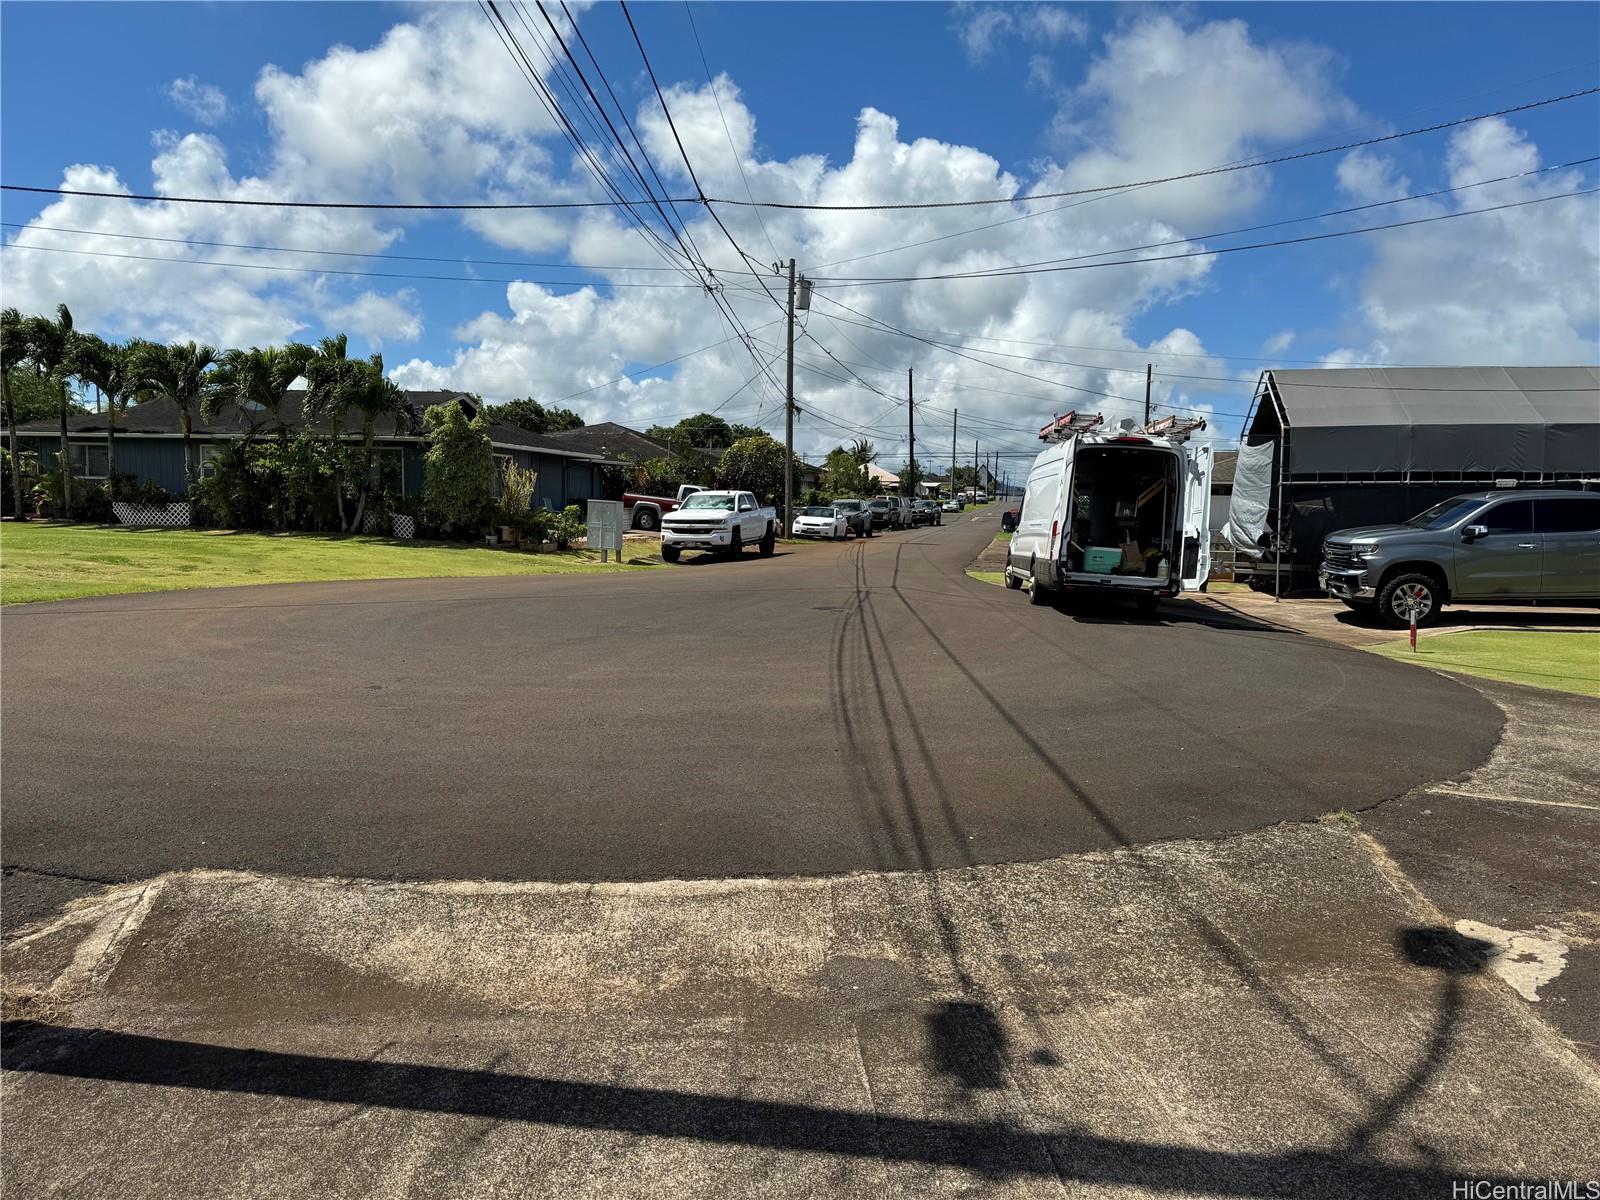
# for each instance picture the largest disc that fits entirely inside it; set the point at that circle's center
(1038, 594)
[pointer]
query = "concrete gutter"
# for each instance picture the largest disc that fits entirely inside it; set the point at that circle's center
(1277, 1013)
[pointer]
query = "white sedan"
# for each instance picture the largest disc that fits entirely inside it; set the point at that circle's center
(822, 521)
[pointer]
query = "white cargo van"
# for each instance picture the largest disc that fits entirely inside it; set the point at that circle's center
(1120, 513)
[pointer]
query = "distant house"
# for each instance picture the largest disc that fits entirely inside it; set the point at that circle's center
(881, 480)
(1223, 463)
(149, 439)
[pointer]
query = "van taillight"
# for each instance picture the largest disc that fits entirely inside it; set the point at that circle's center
(1055, 527)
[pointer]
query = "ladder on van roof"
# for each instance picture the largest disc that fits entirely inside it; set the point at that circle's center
(1069, 425)
(1173, 429)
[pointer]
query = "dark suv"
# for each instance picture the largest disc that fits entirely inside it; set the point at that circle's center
(858, 517)
(927, 512)
(886, 512)
(1495, 547)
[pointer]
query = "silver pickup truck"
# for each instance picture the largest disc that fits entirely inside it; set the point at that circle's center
(722, 522)
(1494, 547)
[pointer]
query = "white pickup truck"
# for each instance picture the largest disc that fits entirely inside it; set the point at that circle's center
(722, 522)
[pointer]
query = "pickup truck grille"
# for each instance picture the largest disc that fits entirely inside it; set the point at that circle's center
(693, 527)
(1341, 557)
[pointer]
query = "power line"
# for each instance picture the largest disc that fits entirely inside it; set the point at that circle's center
(246, 266)
(1336, 212)
(1200, 174)
(435, 258)
(1002, 273)
(652, 367)
(885, 207)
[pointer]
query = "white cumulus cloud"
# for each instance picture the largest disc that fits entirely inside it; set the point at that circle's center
(205, 102)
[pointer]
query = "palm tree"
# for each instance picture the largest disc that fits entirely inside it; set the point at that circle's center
(865, 454)
(254, 380)
(13, 351)
(377, 396)
(46, 348)
(334, 386)
(112, 371)
(178, 372)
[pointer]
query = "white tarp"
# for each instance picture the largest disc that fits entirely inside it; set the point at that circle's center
(1252, 494)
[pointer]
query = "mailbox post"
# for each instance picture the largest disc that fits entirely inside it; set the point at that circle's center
(605, 527)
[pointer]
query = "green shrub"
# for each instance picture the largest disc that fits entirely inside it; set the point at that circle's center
(516, 492)
(567, 526)
(459, 494)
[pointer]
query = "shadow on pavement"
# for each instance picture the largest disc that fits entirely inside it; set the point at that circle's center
(995, 1149)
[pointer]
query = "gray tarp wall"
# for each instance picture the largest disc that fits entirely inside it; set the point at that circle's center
(1252, 497)
(1514, 421)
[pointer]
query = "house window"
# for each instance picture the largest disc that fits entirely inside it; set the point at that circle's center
(208, 460)
(88, 460)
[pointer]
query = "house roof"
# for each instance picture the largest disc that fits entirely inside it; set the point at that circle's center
(1223, 464)
(609, 441)
(878, 475)
(162, 416)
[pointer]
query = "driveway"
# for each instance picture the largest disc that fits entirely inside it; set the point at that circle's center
(832, 709)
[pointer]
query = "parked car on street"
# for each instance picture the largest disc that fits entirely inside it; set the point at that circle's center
(887, 513)
(722, 522)
(955, 504)
(1492, 547)
(641, 511)
(821, 521)
(1009, 518)
(857, 514)
(927, 512)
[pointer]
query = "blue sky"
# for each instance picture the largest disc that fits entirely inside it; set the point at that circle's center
(1056, 96)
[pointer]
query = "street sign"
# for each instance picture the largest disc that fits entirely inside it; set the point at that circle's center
(605, 527)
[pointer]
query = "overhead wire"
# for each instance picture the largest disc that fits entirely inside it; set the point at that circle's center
(793, 205)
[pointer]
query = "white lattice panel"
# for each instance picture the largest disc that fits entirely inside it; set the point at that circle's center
(163, 516)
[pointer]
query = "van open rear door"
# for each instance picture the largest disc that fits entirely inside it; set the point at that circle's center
(1196, 515)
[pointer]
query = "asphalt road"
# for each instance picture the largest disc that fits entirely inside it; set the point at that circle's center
(835, 708)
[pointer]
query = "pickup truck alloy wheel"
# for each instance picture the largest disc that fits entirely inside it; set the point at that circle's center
(1402, 593)
(646, 519)
(769, 542)
(736, 545)
(670, 553)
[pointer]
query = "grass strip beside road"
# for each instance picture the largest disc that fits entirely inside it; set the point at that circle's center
(1562, 660)
(998, 578)
(58, 562)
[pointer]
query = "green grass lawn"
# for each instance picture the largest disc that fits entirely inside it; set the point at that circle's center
(1002, 537)
(55, 562)
(998, 578)
(1565, 661)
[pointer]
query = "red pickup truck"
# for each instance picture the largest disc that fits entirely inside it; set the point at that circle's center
(645, 512)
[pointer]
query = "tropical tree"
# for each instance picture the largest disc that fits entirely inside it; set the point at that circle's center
(842, 474)
(112, 370)
(45, 347)
(753, 464)
(336, 386)
(13, 351)
(864, 452)
(375, 396)
(527, 413)
(459, 492)
(179, 373)
(254, 381)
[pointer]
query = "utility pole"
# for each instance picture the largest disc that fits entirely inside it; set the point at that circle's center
(955, 422)
(788, 420)
(974, 470)
(911, 431)
(1147, 367)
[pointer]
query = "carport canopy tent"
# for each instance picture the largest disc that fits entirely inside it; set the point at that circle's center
(1513, 421)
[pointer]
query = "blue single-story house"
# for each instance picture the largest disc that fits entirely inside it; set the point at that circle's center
(149, 445)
